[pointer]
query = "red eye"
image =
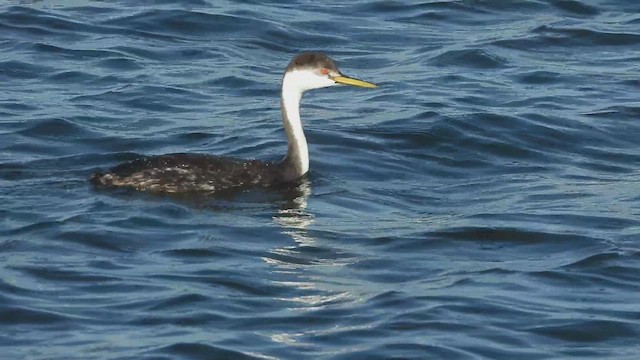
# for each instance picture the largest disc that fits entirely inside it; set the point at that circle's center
(324, 71)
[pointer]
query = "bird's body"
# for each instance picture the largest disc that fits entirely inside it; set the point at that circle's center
(179, 173)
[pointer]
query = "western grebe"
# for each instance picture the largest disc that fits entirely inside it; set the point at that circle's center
(176, 173)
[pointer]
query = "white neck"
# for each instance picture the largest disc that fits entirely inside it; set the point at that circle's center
(298, 150)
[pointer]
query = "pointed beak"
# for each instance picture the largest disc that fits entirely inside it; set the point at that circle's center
(341, 79)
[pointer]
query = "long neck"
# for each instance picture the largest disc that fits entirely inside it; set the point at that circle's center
(296, 162)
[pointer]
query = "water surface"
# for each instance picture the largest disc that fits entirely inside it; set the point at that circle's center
(483, 203)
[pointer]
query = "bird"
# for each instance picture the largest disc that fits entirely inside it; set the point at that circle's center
(204, 173)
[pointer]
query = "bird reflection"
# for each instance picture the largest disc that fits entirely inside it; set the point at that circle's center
(307, 267)
(293, 216)
(297, 265)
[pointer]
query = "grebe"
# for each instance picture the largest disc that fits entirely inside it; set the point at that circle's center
(177, 173)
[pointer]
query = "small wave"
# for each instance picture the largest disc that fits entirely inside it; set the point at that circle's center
(474, 58)
(72, 77)
(575, 7)
(595, 260)
(17, 106)
(585, 37)
(120, 64)
(17, 315)
(540, 77)
(40, 23)
(588, 331)
(57, 129)
(150, 98)
(180, 301)
(198, 351)
(231, 82)
(510, 235)
(617, 112)
(182, 22)
(14, 69)
(62, 275)
(72, 53)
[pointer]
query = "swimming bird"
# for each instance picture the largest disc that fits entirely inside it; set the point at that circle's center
(183, 172)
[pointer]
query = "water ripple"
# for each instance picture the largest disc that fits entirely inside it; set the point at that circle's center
(481, 203)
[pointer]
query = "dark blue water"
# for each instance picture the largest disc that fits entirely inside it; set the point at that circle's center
(483, 203)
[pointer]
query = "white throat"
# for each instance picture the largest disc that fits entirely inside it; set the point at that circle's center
(298, 150)
(294, 84)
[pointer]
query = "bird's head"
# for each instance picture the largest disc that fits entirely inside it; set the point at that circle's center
(314, 70)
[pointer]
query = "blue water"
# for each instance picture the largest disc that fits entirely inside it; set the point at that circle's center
(483, 203)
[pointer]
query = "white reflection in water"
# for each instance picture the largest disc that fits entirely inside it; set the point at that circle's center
(306, 265)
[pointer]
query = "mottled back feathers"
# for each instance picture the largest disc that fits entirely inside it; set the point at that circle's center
(175, 173)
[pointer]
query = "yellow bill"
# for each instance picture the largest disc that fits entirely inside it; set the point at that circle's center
(353, 82)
